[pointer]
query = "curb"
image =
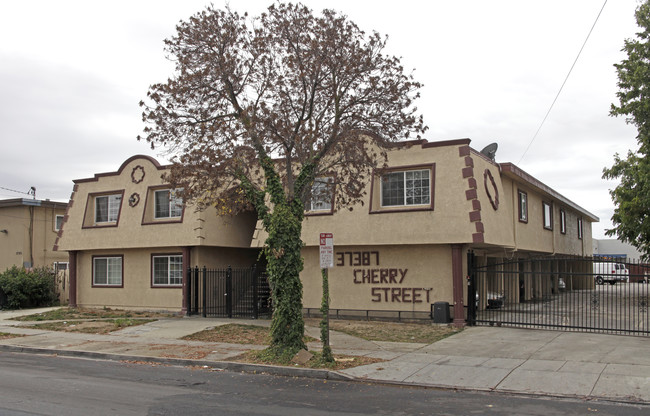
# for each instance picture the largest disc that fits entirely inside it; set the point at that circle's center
(300, 372)
(184, 362)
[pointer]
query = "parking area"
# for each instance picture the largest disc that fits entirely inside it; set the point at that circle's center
(559, 296)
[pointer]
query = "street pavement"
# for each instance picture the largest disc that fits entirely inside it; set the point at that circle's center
(516, 361)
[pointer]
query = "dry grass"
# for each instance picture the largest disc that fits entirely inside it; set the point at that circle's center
(390, 331)
(236, 334)
(341, 361)
(91, 327)
(6, 335)
(85, 313)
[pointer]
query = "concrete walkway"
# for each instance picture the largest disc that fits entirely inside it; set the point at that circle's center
(563, 364)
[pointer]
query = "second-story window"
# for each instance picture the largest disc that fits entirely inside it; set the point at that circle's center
(548, 215)
(167, 204)
(107, 208)
(580, 228)
(562, 221)
(321, 195)
(523, 206)
(405, 188)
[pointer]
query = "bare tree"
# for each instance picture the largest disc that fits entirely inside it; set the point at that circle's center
(259, 108)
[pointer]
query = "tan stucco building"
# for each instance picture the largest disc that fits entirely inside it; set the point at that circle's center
(405, 248)
(28, 230)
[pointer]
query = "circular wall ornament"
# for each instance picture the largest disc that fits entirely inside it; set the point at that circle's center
(134, 199)
(491, 189)
(137, 174)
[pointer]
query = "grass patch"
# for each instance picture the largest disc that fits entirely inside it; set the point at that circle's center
(91, 327)
(341, 361)
(84, 313)
(391, 331)
(236, 334)
(6, 335)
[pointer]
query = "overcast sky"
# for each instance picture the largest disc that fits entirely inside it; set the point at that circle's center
(72, 74)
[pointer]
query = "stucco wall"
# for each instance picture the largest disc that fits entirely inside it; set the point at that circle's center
(368, 223)
(136, 226)
(398, 278)
(137, 291)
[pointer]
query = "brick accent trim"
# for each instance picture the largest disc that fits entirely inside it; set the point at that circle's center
(475, 216)
(471, 194)
(66, 216)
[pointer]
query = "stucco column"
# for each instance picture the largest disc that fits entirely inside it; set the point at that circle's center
(72, 284)
(186, 293)
(458, 284)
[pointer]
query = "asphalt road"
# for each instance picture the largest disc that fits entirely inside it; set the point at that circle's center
(49, 385)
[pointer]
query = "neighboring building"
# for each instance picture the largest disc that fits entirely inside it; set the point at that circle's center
(616, 249)
(402, 250)
(28, 230)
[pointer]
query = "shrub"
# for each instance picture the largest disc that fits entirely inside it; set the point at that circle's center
(24, 289)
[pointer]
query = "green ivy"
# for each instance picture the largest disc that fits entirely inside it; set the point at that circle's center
(283, 224)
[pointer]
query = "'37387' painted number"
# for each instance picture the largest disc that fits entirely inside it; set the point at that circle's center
(357, 258)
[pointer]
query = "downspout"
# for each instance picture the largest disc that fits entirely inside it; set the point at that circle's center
(31, 236)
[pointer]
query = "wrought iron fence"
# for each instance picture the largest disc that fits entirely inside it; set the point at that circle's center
(229, 292)
(578, 294)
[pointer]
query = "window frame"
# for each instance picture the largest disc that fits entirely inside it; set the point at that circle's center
(547, 215)
(580, 230)
(106, 257)
(311, 210)
(57, 266)
(110, 209)
(562, 221)
(58, 227)
(172, 203)
(154, 256)
(149, 211)
(523, 206)
(377, 206)
(90, 213)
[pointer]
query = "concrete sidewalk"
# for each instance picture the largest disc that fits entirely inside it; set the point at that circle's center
(564, 364)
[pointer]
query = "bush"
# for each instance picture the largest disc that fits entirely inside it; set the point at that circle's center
(24, 289)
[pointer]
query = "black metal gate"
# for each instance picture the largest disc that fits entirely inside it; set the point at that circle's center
(229, 292)
(576, 294)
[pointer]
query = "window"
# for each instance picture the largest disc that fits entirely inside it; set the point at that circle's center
(60, 266)
(58, 222)
(562, 221)
(167, 270)
(523, 206)
(107, 271)
(580, 228)
(548, 215)
(107, 208)
(167, 204)
(406, 188)
(321, 195)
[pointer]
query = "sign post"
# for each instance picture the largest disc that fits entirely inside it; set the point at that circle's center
(326, 261)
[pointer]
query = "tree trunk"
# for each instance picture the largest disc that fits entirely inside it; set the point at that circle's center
(284, 264)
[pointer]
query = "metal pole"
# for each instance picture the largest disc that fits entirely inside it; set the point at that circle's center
(205, 297)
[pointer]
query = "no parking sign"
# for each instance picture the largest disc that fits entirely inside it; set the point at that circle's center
(326, 250)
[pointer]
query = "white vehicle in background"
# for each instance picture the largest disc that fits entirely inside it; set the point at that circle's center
(610, 272)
